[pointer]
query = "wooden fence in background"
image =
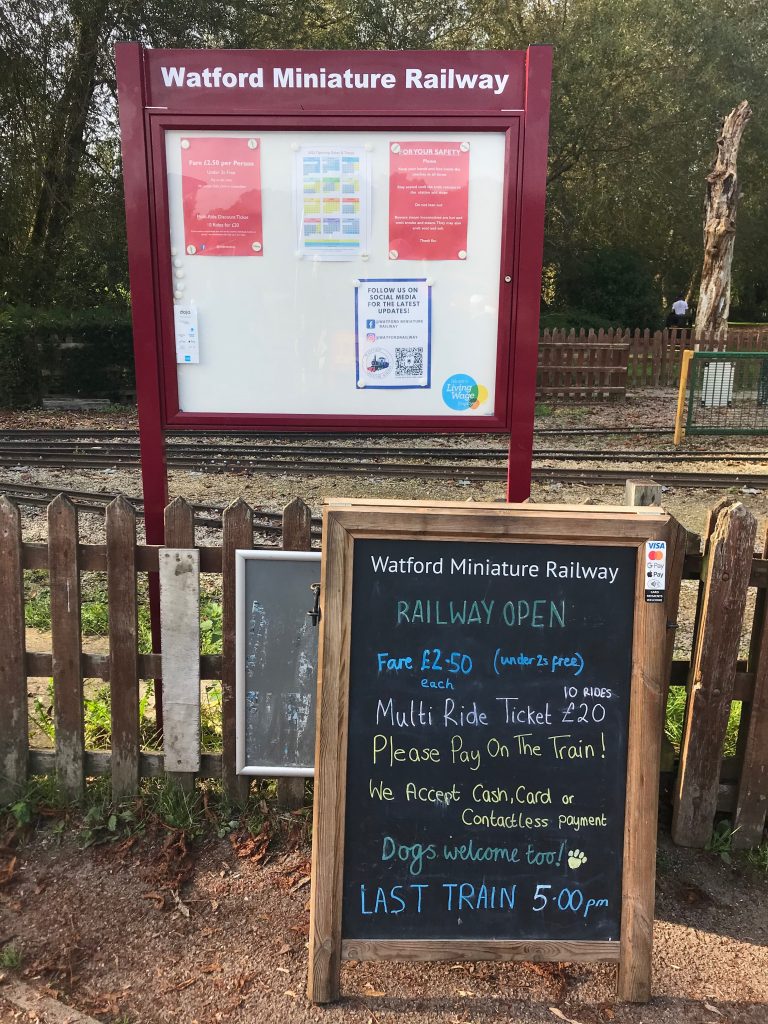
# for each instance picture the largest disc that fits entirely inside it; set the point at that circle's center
(589, 364)
(726, 568)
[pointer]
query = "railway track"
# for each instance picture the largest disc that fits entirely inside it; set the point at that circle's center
(64, 453)
(23, 450)
(563, 474)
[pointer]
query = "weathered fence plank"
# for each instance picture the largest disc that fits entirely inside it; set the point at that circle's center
(713, 669)
(180, 632)
(123, 646)
(14, 727)
(180, 534)
(297, 523)
(237, 533)
(64, 575)
(752, 792)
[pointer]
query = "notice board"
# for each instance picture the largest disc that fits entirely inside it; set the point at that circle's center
(353, 238)
(492, 793)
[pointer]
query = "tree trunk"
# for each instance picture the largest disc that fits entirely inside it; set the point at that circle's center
(720, 227)
(64, 151)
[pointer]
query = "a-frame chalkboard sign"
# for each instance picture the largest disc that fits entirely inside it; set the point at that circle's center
(489, 721)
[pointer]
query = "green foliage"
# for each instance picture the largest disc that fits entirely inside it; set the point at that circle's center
(102, 823)
(20, 380)
(618, 284)
(758, 857)
(41, 796)
(84, 352)
(210, 626)
(176, 809)
(675, 720)
(210, 718)
(721, 841)
(574, 319)
(638, 90)
(10, 957)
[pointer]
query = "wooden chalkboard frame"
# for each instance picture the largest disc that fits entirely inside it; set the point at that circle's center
(344, 522)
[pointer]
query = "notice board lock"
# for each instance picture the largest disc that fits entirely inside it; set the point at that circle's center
(314, 614)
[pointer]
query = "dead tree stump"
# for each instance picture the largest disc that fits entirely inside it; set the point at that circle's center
(720, 227)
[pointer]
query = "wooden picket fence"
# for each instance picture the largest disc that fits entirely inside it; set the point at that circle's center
(588, 364)
(726, 568)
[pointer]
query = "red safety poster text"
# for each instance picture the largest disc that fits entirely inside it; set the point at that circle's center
(221, 196)
(428, 200)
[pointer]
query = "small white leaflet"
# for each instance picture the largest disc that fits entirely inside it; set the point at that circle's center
(187, 340)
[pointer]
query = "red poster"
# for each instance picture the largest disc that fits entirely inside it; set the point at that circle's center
(428, 200)
(221, 195)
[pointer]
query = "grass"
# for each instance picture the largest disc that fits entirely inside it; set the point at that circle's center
(10, 957)
(161, 807)
(675, 720)
(758, 858)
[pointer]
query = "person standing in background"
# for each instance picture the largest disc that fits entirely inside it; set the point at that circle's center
(679, 310)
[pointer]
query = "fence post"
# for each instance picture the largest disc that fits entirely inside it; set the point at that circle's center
(237, 534)
(297, 526)
(725, 574)
(123, 646)
(642, 493)
(176, 646)
(64, 575)
(685, 366)
(752, 794)
(14, 727)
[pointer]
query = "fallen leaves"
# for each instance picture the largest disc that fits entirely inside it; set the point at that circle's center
(253, 847)
(7, 871)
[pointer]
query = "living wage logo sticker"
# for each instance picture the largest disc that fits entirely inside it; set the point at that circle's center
(462, 392)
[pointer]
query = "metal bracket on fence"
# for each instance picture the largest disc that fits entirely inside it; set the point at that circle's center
(315, 613)
(671, 625)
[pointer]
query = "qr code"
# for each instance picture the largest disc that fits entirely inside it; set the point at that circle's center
(409, 362)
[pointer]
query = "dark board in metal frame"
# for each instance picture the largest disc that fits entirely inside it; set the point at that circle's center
(345, 524)
(276, 644)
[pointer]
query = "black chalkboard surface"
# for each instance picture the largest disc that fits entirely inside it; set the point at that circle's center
(487, 742)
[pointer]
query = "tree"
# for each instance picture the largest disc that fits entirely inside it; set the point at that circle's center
(720, 207)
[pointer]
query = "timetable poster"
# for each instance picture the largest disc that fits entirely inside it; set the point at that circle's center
(393, 327)
(428, 200)
(332, 202)
(221, 196)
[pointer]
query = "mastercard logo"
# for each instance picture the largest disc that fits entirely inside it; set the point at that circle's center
(655, 556)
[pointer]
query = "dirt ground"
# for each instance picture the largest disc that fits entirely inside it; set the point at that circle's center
(101, 930)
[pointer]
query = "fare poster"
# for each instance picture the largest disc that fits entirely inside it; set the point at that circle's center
(332, 205)
(221, 196)
(393, 325)
(428, 200)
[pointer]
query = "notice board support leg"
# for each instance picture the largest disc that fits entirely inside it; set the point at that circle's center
(155, 489)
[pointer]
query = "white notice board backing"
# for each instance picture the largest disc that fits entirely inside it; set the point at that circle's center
(277, 315)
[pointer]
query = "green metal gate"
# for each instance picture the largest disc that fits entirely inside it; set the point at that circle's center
(728, 393)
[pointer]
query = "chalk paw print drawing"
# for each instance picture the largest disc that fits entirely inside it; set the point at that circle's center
(576, 858)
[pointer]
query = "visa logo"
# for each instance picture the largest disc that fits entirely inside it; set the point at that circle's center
(656, 545)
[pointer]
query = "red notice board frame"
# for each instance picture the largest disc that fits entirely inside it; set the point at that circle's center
(148, 108)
